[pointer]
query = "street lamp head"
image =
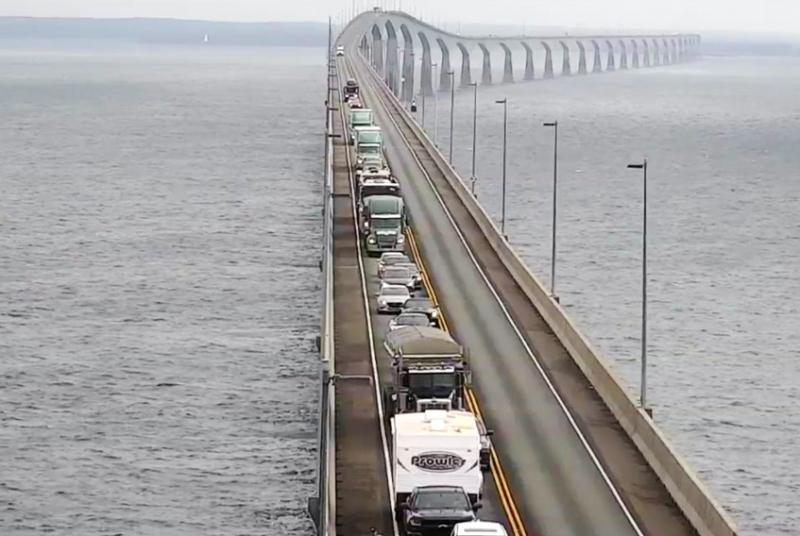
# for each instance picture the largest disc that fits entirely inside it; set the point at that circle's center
(501, 101)
(550, 124)
(473, 84)
(636, 166)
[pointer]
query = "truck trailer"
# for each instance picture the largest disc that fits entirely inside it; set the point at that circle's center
(436, 448)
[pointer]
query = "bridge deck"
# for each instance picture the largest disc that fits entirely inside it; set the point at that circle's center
(362, 499)
(555, 482)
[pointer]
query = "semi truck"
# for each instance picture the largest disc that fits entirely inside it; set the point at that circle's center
(435, 448)
(362, 117)
(383, 223)
(429, 370)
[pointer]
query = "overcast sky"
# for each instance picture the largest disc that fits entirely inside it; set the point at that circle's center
(779, 16)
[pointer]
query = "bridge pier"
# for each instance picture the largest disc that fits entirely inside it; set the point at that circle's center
(646, 53)
(656, 53)
(508, 66)
(598, 62)
(566, 70)
(635, 58)
(529, 72)
(581, 58)
(548, 61)
(610, 66)
(425, 75)
(623, 56)
(466, 66)
(444, 68)
(377, 50)
(486, 75)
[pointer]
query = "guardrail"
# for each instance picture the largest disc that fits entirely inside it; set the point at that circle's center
(322, 507)
(691, 496)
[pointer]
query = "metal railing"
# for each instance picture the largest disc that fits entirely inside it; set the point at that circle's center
(322, 507)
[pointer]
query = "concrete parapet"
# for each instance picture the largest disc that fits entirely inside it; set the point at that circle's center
(691, 496)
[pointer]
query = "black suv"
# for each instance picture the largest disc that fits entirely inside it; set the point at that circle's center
(434, 510)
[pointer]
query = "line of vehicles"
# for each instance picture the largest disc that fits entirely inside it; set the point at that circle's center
(439, 450)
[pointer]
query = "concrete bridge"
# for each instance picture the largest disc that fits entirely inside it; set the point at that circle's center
(404, 51)
(573, 453)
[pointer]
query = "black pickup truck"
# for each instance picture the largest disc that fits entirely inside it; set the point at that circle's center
(434, 510)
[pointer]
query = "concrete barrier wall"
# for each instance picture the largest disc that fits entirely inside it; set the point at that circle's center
(691, 496)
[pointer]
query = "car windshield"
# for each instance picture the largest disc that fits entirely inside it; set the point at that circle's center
(394, 291)
(370, 137)
(369, 149)
(378, 189)
(390, 224)
(441, 500)
(395, 259)
(436, 380)
(396, 272)
(412, 320)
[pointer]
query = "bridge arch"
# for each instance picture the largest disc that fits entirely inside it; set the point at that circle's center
(508, 64)
(610, 64)
(486, 74)
(425, 79)
(548, 60)
(444, 66)
(656, 53)
(597, 66)
(466, 65)
(407, 77)
(581, 58)
(377, 49)
(392, 76)
(529, 70)
(566, 69)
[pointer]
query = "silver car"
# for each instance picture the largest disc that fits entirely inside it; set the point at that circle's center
(411, 267)
(409, 319)
(397, 275)
(392, 298)
(391, 258)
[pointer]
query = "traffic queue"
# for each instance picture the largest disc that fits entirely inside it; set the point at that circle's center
(439, 450)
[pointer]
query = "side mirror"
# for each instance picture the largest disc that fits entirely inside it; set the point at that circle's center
(489, 433)
(477, 506)
(404, 506)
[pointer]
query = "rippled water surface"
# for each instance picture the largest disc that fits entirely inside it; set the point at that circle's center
(160, 224)
(723, 141)
(158, 273)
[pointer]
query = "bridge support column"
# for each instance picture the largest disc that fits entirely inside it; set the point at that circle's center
(377, 55)
(610, 65)
(466, 66)
(408, 74)
(529, 72)
(392, 68)
(635, 57)
(656, 53)
(666, 53)
(598, 63)
(646, 52)
(581, 58)
(508, 66)
(566, 70)
(548, 61)
(425, 75)
(623, 55)
(444, 68)
(486, 74)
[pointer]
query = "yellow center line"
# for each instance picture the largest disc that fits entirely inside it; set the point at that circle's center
(506, 497)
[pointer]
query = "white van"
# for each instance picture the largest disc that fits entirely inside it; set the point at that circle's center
(479, 528)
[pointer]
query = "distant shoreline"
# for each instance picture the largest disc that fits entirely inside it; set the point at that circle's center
(163, 31)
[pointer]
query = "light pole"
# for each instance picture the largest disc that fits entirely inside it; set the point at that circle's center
(474, 133)
(643, 394)
(424, 90)
(504, 102)
(435, 106)
(554, 124)
(452, 75)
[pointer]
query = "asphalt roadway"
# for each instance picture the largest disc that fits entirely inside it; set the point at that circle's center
(556, 482)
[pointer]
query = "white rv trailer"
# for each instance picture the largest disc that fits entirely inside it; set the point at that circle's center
(436, 448)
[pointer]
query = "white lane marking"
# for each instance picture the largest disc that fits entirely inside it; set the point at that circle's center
(530, 353)
(365, 295)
